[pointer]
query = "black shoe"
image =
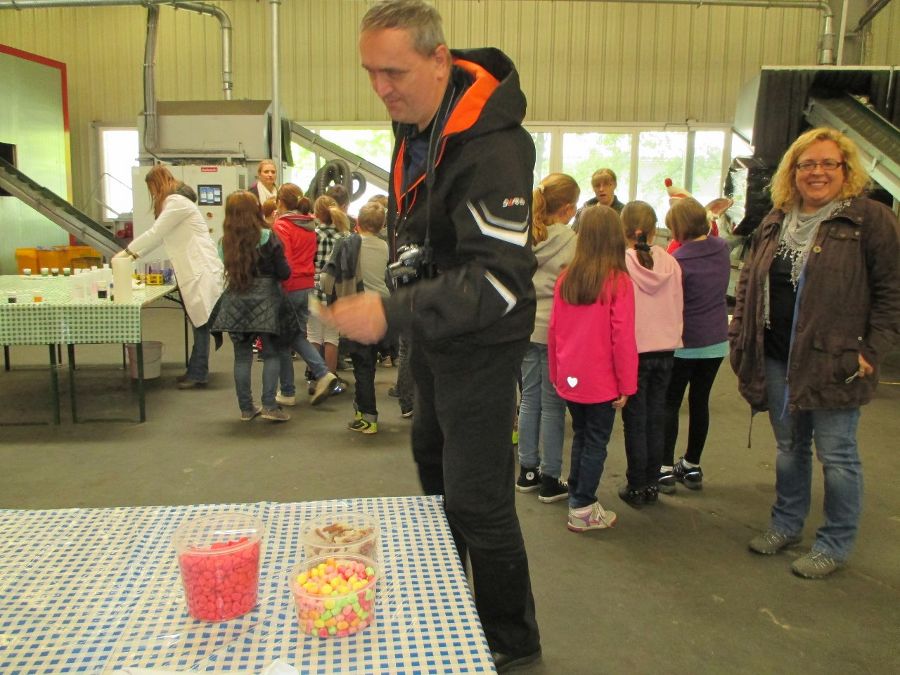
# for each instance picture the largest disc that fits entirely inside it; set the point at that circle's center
(651, 494)
(529, 479)
(553, 489)
(666, 482)
(506, 662)
(634, 497)
(393, 392)
(692, 477)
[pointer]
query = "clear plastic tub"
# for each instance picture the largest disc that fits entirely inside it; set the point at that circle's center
(334, 596)
(341, 533)
(219, 556)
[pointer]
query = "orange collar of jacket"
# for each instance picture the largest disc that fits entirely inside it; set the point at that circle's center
(464, 115)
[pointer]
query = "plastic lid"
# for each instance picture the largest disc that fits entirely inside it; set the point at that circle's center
(218, 533)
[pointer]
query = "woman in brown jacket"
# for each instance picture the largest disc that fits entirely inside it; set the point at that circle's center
(818, 307)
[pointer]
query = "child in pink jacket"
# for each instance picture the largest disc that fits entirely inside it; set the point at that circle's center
(592, 355)
(658, 303)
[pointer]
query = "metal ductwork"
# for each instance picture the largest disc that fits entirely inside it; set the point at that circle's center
(826, 45)
(199, 7)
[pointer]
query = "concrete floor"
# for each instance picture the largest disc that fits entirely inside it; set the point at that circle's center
(670, 588)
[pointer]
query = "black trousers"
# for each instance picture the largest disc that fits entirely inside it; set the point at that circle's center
(364, 358)
(461, 437)
(700, 375)
(644, 419)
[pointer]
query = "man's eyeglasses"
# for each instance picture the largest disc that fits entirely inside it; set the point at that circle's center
(826, 164)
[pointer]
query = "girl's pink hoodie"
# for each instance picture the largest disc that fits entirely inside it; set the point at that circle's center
(591, 349)
(658, 301)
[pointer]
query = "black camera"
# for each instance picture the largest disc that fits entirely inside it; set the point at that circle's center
(412, 264)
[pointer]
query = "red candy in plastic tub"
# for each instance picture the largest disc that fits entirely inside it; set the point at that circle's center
(219, 558)
(334, 597)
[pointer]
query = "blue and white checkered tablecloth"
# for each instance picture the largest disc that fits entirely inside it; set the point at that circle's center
(94, 590)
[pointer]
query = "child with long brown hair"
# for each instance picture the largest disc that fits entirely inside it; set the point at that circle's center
(252, 303)
(592, 355)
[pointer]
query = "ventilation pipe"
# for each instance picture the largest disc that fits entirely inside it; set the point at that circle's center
(826, 43)
(199, 7)
(276, 95)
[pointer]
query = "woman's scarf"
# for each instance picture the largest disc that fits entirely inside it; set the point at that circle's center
(798, 232)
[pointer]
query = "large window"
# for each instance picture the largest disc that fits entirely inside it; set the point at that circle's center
(584, 153)
(707, 168)
(118, 154)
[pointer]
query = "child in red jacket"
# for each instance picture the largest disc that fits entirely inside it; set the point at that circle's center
(592, 355)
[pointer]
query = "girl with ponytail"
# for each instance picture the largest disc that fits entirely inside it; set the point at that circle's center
(656, 278)
(331, 224)
(542, 413)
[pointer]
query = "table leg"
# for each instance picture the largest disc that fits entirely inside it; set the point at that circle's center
(186, 355)
(139, 348)
(6, 357)
(70, 348)
(54, 384)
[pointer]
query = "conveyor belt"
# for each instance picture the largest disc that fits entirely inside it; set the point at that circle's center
(58, 210)
(878, 139)
(312, 141)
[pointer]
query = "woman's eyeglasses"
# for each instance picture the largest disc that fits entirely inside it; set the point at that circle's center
(826, 164)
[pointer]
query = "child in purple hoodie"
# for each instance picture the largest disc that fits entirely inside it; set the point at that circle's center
(705, 268)
(592, 355)
(658, 304)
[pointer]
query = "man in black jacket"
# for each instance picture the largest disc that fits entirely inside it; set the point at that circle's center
(460, 194)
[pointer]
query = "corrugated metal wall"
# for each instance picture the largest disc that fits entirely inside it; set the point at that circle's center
(883, 45)
(580, 61)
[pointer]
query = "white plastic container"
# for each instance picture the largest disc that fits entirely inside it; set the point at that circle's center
(152, 360)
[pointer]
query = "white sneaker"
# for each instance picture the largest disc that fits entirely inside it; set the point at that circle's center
(281, 399)
(591, 517)
(323, 388)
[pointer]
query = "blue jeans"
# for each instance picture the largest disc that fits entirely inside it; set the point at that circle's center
(300, 302)
(198, 364)
(834, 431)
(643, 418)
(243, 364)
(542, 414)
(592, 425)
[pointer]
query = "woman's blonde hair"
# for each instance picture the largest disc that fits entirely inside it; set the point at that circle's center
(160, 183)
(328, 212)
(784, 188)
(598, 260)
(687, 219)
(552, 194)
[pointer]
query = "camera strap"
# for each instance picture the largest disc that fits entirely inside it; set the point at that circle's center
(431, 158)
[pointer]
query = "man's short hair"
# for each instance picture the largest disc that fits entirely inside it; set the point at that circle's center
(603, 174)
(421, 20)
(371, 217)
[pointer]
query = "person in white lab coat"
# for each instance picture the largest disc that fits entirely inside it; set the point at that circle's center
(182, 230)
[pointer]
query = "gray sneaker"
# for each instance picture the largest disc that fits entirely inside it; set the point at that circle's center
(323, 388)
(815, 565)
(276, 414)
(771, 541)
